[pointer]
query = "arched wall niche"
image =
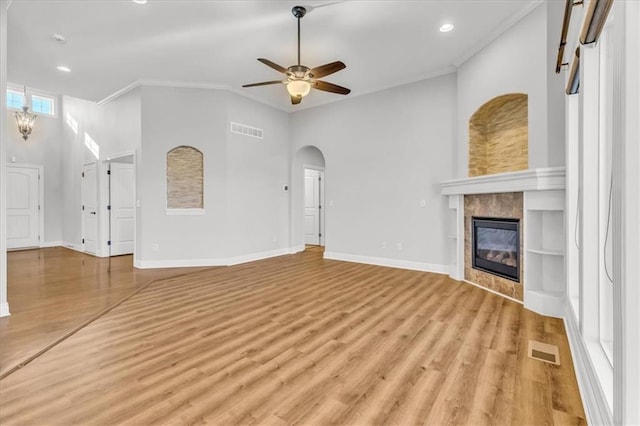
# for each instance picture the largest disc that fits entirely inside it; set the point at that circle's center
(499, 136)
(185, 178)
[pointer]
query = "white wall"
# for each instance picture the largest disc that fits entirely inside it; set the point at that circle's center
(521, 60)
(246, 210)
(121, 125)
(116, 128)
(87, 114)
(257, 170)
(384, 153)
(555, 87)
(44, 147)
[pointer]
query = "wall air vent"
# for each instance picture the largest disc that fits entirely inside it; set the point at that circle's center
(243, 129)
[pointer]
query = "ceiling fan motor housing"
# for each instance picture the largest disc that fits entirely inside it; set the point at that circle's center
(299, 11)
(298, 71)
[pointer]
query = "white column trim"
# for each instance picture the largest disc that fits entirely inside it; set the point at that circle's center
(4, 304)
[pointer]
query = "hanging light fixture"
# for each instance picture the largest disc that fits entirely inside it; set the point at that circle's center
(25, 119)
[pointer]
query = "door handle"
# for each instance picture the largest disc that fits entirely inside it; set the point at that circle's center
(92, 212)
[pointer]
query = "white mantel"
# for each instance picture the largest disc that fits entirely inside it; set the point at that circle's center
(544, 205)
(543, 179)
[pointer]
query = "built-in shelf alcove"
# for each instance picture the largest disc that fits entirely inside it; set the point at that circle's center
(499, 136)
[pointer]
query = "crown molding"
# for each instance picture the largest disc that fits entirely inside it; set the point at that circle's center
(289, 109)
(118, 93)
(497, 32)
(434, 74)
(185, 85)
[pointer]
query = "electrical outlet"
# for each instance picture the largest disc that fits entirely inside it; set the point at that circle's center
(384, 244)
(423, 203)
(155, 247)
(399, 245)
(275, 238)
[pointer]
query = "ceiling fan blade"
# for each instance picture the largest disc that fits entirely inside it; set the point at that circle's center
(326, 69)
(330, 87)
(295, 100)
(273, 65)
(264, 83)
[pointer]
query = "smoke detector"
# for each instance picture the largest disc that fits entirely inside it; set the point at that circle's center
(60, 38)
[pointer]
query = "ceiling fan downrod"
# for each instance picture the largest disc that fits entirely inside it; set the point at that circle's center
(299, 12)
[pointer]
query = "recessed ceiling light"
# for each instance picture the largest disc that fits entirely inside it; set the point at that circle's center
(139, 1)
(64, 69)
(445, 28)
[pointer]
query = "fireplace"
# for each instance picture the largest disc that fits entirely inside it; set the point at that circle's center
(496, 246)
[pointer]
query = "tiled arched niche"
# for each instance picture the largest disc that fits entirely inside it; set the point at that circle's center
(185, 182)
(499, 136)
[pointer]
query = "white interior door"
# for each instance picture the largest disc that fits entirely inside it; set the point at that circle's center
(90, 207)
(312, 221)
(122, 211)
(23, 207)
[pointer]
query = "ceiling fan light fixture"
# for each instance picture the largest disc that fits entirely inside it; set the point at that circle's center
(299, 88)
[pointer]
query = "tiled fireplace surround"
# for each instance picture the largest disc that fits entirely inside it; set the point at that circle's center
(536, 197)
(504, 205)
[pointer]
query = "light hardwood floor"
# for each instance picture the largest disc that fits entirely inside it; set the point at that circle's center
(299, 339)
(54, 291)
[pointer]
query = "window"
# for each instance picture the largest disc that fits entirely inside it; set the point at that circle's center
(42, 105)
(15, 100)
(38, 104)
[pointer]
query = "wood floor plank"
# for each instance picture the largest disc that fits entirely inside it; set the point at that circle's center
(294, 340)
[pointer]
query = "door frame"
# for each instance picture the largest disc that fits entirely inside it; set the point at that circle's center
(104, 188)
(321, 214)
(40, 169)
(82, 203)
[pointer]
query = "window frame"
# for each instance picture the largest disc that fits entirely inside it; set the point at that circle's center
(16, 92)
(28, 100)
(44, 98)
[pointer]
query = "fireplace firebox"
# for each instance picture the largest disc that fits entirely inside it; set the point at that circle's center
(496, 246)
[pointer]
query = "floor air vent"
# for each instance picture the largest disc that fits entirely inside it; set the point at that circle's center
(243, 129)
(544, 352)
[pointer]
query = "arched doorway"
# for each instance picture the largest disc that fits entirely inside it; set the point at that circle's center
(308, 189)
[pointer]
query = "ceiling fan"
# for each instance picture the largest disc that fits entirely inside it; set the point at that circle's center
(299, 78)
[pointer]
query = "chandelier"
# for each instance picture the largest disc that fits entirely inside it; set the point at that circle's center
(25, 119)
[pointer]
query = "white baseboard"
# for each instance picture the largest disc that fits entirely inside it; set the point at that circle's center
(257, 256)
(4, 309)
(48, 244)
(72, 246)
(177, 263)
(296, 249)
(391, 263)
(225, 261)
(593, 398)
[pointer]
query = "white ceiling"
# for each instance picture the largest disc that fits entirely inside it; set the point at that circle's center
(114, 43)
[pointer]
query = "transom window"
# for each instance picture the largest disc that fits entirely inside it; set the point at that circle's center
(14, 99)
(38, 104)
(42, 105)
